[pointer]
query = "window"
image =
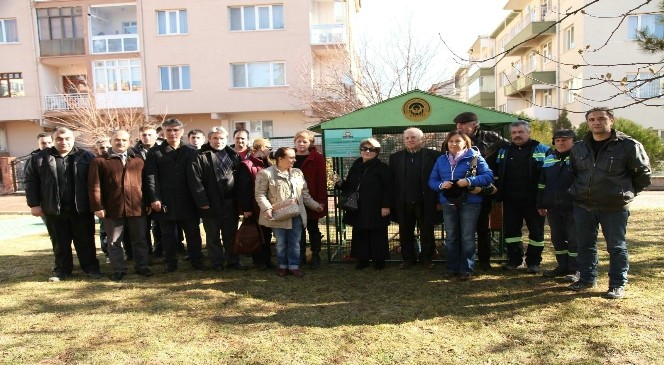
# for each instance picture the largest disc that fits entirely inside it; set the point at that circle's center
(644, 85)
(256, 17)
(651, 22)
(259, 74)
(256, 128)
(502, 108)
(3, 139)
(130, 27)
(8, 33)
(569, 38)
(175, 78)
(546, 52)
(60, 23)
(572, 87)
(118, 75)
(172, 22)
(547, 97)
(11, 85)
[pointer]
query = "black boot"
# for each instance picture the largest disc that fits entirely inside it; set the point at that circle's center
(303, 258)
(315, 260)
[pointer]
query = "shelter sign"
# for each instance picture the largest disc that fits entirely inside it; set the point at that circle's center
(344, 142)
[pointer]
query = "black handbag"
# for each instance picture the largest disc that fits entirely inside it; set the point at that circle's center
(479, 190)
(350, 201)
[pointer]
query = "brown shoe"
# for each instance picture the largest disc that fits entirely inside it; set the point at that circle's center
(282, 272)
(296, 272)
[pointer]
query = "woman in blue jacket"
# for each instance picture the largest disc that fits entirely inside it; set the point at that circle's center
(460, 208)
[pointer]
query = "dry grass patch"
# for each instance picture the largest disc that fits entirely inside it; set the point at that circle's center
(335, 315)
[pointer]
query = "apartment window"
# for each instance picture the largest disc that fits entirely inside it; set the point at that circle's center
(260, 129)
(8, 32)
(546, 52)
(175, 77)
(644, 85)
(547, 97)
(259, 74)
(257, 17)
(130, 27)
(3, 139)
(117, 75)
(11, 85)
(60, 23)
(651, 22)
(569, 38)
(572, 87)
(172, 22)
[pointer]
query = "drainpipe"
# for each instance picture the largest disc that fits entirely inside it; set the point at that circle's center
(143, 57)
(558, 89)
(35, 42)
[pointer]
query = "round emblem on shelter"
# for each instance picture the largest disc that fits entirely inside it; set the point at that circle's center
(416, 109)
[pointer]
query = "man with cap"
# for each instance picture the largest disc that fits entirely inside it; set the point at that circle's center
(555, 202)
(488, 143)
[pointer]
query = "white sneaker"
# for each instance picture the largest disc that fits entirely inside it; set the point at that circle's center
(573, 277)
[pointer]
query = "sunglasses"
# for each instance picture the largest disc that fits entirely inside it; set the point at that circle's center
(368, 149)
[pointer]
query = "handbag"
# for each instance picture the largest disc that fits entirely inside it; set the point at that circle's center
(479, 190)
(287, 208)
(350, 201)
(249, 237)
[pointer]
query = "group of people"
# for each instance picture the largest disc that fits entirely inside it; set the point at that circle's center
(578, 186)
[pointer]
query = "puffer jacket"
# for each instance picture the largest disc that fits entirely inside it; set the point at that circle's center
(272, 187)
(443, 171)
(612, 180)
(41, 181)
(555, 180)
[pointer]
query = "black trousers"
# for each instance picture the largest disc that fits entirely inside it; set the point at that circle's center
(219, 230)
(315, 237)
(264, 257)
(71, 226)
(370, 244)
(414, 215)
(563, 237)
(169, 240)
(515, 212)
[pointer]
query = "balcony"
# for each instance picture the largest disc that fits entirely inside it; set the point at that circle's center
(115, 43)
(539, 112)
(62, 47)
(66, 102)
(533, 75)
(524, 34)
(328, 34)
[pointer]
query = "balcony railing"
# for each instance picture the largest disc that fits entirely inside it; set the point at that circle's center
(525, 29)
(117, 43)
(66, 102)
(539, 112)
(328, 34)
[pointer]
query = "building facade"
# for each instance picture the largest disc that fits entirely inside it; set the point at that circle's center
(238, 64)
(546, 56)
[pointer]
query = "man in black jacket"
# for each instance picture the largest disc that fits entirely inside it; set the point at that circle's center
(166, 189)
(414, 201)
(212, 180)
(147, 139)
(56, 187)
(610, 169)
(488, 143)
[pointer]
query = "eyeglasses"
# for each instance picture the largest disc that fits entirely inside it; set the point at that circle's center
(368, 149)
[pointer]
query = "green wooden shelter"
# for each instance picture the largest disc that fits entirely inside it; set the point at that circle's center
(429, 112)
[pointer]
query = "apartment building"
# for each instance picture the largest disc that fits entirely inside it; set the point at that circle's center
(545, 56)
(235, 63)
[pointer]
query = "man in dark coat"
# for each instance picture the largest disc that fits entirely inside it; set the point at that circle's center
(56, 187)
(212, 180)
(488, 143)
(414, 202)
(115, 188)
(166, 189)
(147, 139)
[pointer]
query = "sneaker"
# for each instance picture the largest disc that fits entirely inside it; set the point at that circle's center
(57, 277)
(573, 277)
(616, 293)
(558, 271)
(509, 267)
(144, 272)
(533, 269)
(582, 285)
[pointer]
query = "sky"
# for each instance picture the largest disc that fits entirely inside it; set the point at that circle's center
(459, 23)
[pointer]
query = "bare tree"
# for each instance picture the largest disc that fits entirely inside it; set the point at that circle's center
(93, 121)
(346, 79)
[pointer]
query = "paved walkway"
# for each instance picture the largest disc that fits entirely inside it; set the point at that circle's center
(27, 224)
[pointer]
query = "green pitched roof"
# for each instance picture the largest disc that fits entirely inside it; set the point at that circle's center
(389, 114)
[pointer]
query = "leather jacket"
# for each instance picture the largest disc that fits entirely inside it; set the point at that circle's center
(612, 180)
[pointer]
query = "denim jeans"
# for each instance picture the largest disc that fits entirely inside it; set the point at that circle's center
(288, 244)
(460, 222)
(614, 228)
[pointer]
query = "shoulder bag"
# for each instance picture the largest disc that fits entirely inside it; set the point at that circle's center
(479, 190)
(248, 238)
(350, 201)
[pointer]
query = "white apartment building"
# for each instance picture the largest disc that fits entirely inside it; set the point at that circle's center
(545, 56)
(233, 63)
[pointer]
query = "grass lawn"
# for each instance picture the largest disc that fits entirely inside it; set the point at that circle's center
(334, 315)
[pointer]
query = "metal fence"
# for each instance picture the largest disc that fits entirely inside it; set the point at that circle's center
(18, 172)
